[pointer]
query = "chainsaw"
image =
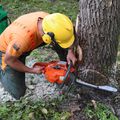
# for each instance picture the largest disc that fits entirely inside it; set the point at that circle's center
(61, 73)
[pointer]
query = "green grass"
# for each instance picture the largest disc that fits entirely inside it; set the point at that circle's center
(28, 110)
(101, 112)
(44, 54)
(16, 8)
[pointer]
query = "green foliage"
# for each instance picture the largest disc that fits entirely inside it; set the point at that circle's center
(45, 54)
(36, 54)
(62, 116)
(18, 7)
(101, 112)
(28, 110)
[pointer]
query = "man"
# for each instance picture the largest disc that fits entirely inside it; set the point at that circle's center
(24, 35)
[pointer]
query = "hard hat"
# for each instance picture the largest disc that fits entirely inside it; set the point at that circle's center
(62, 28)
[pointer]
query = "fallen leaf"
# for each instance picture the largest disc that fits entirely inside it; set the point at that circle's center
(94, 104)
(31, 116)
(44, 111)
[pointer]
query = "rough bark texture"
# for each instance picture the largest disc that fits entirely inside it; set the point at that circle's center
(98, 32)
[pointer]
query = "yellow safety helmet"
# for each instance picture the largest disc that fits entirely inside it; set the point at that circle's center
(62, 28)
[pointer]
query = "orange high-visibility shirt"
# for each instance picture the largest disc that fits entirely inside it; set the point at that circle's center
(22, 35)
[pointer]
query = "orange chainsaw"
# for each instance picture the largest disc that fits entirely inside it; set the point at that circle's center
(61, 73)
(55, 71)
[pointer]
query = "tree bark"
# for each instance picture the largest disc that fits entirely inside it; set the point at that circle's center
(98, 32)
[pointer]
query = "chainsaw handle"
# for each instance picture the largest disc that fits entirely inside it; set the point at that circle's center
(71, 64)
(67, 73)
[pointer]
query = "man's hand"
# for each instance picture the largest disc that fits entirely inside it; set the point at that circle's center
(37, 70)
(71, 57)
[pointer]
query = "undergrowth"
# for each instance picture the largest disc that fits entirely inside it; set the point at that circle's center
(101, 112)
(29, 110)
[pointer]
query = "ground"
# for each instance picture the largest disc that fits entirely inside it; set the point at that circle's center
(44, 101)
(78, 104)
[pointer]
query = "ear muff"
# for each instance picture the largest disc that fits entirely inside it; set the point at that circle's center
(48, 37)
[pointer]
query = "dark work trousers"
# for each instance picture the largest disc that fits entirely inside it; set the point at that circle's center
(12, 80)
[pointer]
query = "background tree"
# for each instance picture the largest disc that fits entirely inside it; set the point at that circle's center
(98, 33)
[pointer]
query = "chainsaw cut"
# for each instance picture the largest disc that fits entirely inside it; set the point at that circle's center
(61, 73)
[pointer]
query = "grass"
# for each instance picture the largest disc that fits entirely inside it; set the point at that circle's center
(29, 110)
(16, 8)
(101, 112)
(49, 110)
(44, 54)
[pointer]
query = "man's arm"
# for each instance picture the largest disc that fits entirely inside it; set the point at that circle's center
(71, 55)
(16, 64)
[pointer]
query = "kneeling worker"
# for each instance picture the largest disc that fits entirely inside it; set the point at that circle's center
(25, 34)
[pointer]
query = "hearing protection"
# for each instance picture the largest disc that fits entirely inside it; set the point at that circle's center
(48, 37)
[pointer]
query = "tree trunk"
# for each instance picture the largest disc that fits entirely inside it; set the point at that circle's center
(98, 32)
